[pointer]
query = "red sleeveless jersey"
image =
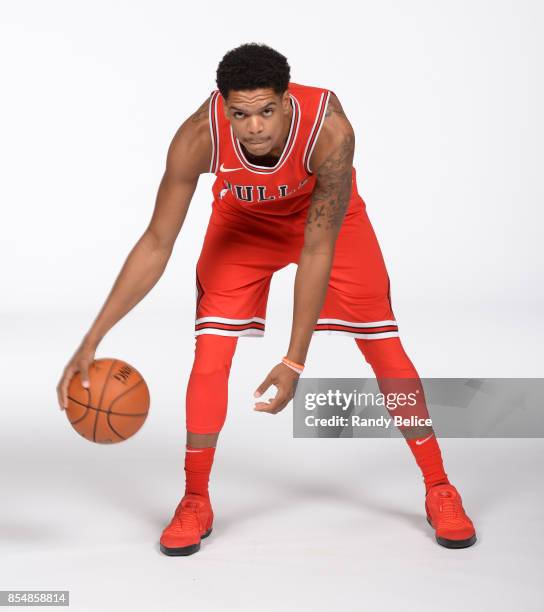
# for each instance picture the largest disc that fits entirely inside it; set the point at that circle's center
(281, 189)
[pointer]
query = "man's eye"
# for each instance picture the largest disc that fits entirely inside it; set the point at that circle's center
(236, 113)
(267, 110)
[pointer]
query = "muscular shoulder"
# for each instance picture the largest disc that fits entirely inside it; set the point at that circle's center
(336, 133)
(189, 154)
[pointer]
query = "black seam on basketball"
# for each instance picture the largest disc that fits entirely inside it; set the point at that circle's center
(95, 426)
(87, 406)
(113, 402)
(89, 394)
(113, 428)
(106, 383)
(125, 392)
(81, 418)
(101, 398)
(103, 410)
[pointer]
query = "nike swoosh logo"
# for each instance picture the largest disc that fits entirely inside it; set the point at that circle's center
(223, 169)
(419, 442)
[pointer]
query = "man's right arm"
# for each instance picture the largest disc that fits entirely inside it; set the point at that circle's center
(188, 157)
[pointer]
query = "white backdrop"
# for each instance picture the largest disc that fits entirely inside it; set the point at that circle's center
(444, 98)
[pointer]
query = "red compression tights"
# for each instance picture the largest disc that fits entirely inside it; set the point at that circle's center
(207, 390)
(389, 361)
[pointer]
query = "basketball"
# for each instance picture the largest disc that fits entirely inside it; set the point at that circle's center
(115, 405)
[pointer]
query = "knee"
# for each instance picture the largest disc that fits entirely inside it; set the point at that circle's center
(213, 353)
(387, 357)
(207, 389)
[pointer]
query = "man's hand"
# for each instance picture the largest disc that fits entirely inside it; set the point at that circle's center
(284, 378)
(80, 362)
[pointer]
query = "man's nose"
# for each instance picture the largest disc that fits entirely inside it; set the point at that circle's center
(255, 125)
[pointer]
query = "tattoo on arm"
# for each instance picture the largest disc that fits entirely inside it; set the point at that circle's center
(333, 187)
(203, 110)
(334, 106)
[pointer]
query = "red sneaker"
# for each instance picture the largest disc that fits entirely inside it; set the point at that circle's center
(446, 515)
(192, 521)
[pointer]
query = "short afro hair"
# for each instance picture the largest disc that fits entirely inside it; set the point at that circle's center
(253, 66)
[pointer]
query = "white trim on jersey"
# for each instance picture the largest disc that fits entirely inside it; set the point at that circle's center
(226, 320)
(295, 123)
(215, 136)
(312, 130)
(228, 332)
(318, 130)
(338, 332)
(352, 324)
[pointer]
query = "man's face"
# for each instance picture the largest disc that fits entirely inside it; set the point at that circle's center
(258, 118)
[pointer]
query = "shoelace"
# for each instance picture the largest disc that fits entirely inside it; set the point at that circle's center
(449, 509)
(187, 518)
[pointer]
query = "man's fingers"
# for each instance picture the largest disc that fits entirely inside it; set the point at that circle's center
(62, 394)
(84, 374)
(65, 390)
(262, 387)
(63, 386)
(59, 397)
(274, 405)
(264, 406)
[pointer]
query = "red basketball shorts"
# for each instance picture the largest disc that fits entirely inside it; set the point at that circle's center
(241, 252)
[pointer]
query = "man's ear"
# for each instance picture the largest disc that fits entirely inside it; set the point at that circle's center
(285, 102)
(225, 109)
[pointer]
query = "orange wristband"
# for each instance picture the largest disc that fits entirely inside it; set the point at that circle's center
(297, 367)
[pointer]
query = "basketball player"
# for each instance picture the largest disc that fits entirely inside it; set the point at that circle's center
(285, 192)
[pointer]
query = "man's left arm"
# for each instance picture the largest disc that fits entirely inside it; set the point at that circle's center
(332, 162)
